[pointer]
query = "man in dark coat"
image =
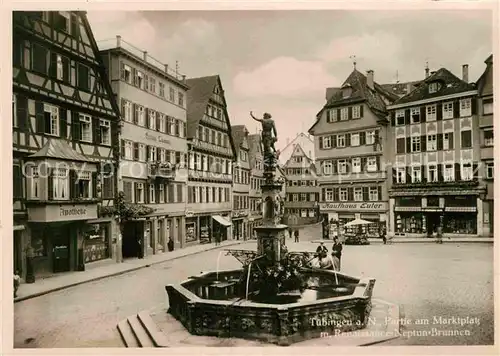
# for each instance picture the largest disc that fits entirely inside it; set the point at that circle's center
(336, 253)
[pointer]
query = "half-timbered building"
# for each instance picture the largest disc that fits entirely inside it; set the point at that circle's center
(153, 169)
(241, 183)
(64, 143)
(211, 158)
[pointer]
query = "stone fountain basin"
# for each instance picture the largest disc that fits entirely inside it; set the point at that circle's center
(208, 305)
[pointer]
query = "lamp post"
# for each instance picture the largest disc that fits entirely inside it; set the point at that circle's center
(316, 210)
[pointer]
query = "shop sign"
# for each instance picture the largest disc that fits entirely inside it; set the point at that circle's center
(369, 206)
(155, 138)
(51, 213)
(189, 214)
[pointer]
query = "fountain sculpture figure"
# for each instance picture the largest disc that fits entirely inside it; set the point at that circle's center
(276, 297)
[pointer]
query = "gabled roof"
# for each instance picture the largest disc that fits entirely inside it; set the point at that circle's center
(374, 98)
(298, 151)
(238, 132)
(450, 84)
(481, 80)
(292, 142)
(199, 93)
(61, 150)
(400, 89)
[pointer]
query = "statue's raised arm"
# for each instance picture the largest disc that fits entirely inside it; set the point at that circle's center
(253, 117)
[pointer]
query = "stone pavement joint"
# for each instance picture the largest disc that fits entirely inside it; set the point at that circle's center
(59, 282)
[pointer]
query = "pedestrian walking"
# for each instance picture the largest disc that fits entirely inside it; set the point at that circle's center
(296, 234)
(17, 282)
(290, 232)
(170, 244)
(336, 253)
(383, 236)
(439, 235)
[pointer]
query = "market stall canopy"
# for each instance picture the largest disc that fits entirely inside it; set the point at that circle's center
(358, 222)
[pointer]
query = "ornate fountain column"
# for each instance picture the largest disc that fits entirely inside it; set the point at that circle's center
(271, 235)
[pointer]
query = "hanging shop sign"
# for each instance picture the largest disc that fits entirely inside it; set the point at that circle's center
(375, 206)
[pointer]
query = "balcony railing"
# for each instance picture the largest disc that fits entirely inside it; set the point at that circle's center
(202, 145)
(455, 184)
(214, 122)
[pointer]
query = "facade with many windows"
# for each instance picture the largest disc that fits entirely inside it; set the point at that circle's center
(65, 125)
(486, 120)
(241, 183)
(211, 154)
(256, 180)
(350, 151)
(153, 168)
(302, 193)
(434, 143)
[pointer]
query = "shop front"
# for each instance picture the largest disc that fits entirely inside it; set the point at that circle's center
(204, 228)
(420, 216)
(240, 225)
(337, 215)
(58, 234)
(97, 240)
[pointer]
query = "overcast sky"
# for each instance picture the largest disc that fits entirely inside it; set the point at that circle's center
(282, 61)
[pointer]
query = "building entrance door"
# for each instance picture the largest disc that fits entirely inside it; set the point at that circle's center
(432, 222)
(60, 251)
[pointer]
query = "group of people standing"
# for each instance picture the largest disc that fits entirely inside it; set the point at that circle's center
(322, 259)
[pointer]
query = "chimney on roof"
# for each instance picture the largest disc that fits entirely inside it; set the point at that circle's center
(369, 79)
(118, 41)
(145, 55)
(465, 73)
(166, 68)
(409, 88)
(426, 70)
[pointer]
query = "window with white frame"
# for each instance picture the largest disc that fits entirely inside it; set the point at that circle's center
(344, 114)
(60, 183)
(171, 95)
(171, 123)
(152, 85)
(163, 157)
(127, 111)
(127, 74)
(415, 144)
(85, 127)
(152, 193)
(488, 137)
(152, 154)
(490, 170)
(415, 115)
(488, 106)
(139, 79)
(400, 117)
(432, 173)
(356, 112)
(370, 137)
(416, 174)
(371, 164)
(343, 194)
(181, 99)
(152, 119)
(341, 141)
(142, 152)
(355, 139)
(303, 196)
(431, 142)
(465, 107)
(433, 87)
(448, 172)
(331, 115)
(448, 141)
(430, 113)
(295, 197)
(356, 165)
(162, 89)
(35, 183)
(327, 142)
(141, 119)
(373, 193)
(84, 185)
(59, 67)
(161, 191)
(129, 150)
(105, 128)
(400, 175)
(327, 167)
(162, 123)
(342, 166)
(51, 115)
(466, 171)
(448, 110)
(358, 194)
(139, 193)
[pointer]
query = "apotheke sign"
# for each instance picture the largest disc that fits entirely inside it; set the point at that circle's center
(365, 206)
(69, 212)
(158, 138)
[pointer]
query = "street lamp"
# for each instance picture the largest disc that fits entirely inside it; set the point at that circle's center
(316, 210)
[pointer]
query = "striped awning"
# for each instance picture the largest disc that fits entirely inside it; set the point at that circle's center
(221, 220)
(461, 209)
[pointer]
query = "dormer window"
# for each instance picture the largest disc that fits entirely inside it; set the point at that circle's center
(433, 87)
(346, 92)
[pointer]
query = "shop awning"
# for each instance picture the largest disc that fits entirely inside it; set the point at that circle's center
(461, 209)
(221, 220)
(18, 227)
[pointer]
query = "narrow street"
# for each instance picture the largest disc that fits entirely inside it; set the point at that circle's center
(427, 279)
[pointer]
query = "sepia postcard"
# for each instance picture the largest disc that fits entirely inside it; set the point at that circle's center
(275, 178)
